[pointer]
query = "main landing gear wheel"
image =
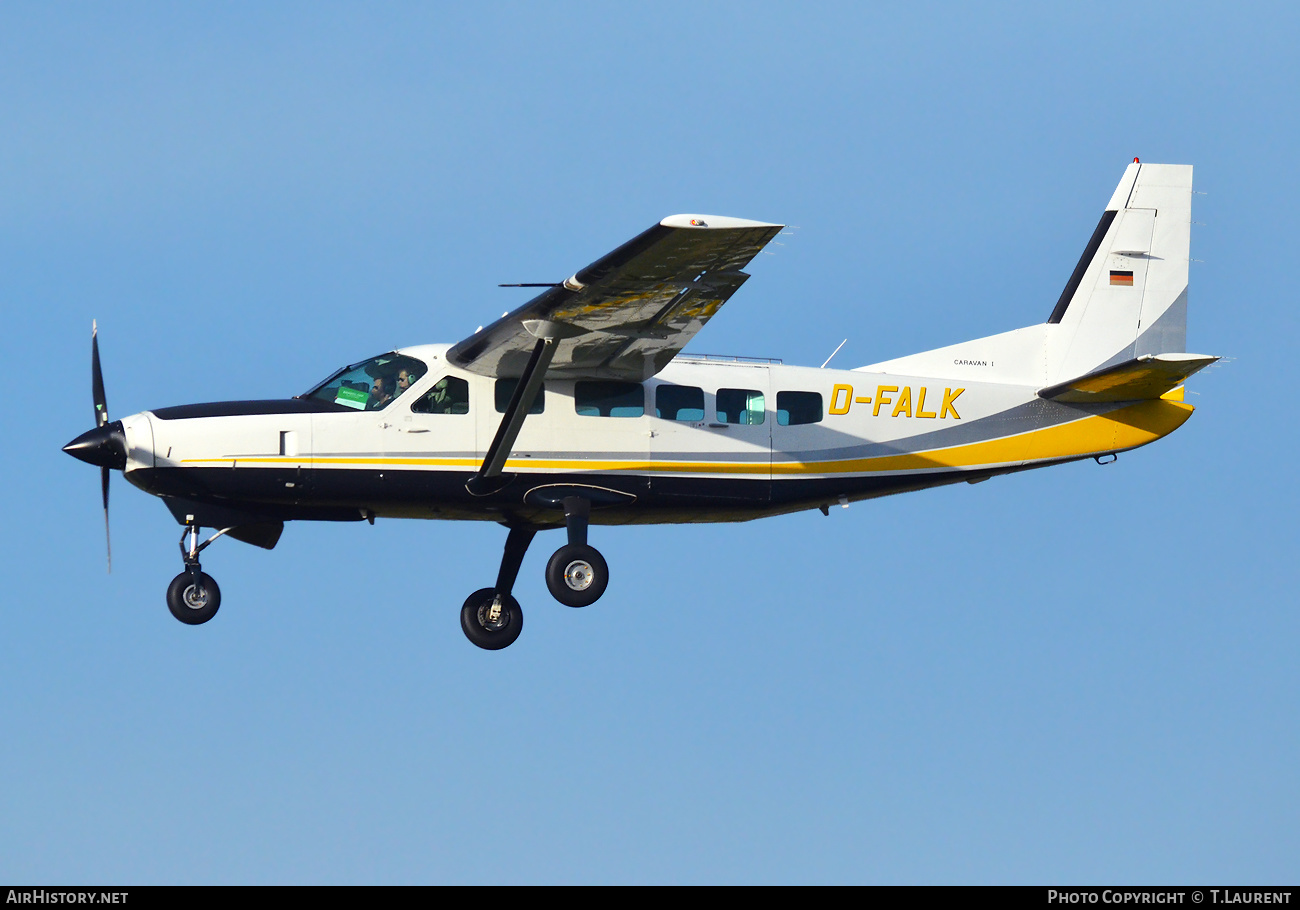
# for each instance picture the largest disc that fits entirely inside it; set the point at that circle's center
(192, 603)
(577, 575)
(490, 621)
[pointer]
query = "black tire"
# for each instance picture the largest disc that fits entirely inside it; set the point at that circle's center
(577, 575)
(488, 635)
(190, 606)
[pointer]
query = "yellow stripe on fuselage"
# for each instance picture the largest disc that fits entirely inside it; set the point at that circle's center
(1124, 428)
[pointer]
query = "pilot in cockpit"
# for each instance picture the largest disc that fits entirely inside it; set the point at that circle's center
(380, 393)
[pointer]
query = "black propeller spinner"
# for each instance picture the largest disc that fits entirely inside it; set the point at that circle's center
(105, 445)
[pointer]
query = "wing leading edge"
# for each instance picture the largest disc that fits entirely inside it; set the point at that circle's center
(627, 314)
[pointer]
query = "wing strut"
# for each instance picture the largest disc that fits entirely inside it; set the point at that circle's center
(489, 478)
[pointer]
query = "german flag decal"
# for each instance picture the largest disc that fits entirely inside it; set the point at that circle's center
(1124, 279)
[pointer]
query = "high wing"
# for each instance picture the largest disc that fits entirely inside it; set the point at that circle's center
(627, 314)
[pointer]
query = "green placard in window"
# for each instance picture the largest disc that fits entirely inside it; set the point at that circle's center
(352, 398)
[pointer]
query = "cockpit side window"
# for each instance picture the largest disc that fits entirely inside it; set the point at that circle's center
(371, 385)
(449, 395)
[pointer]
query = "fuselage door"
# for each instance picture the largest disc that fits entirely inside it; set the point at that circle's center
(711, 434)
(401, 457)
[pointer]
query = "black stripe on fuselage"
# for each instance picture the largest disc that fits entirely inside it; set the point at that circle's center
(348, 493)
(247, 408)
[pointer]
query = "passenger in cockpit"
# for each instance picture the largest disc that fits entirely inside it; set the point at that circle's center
(439, 399)
(405, 379)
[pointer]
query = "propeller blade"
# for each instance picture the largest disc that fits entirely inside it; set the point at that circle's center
(97, 379)
(108, 538)
(101, 419)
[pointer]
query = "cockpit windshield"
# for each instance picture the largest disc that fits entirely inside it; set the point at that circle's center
(371, 385)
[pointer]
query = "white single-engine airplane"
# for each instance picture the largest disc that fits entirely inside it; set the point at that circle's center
(577, 408)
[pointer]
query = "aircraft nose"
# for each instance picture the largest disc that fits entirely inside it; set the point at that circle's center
(103, 446)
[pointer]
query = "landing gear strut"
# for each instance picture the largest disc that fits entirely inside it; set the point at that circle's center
(491, 618)
(577, 574)
(193, 596)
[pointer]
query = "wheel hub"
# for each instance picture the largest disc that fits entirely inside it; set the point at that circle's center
(492, 617)
(196, 598)
(578, 575)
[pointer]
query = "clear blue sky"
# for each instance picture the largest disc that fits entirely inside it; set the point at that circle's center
(1080, 674)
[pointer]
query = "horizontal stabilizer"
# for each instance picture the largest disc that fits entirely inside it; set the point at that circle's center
(1147, 377)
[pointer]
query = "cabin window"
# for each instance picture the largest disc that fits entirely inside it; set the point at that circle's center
(679, 402)
(371, 385)
(744, 406)
(794, 408)
(449, 395)
(608, 399)
(506, 387)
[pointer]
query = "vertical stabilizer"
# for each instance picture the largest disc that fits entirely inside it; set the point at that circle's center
(1128, 295)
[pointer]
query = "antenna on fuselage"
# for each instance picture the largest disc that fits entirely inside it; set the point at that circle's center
(834, 352)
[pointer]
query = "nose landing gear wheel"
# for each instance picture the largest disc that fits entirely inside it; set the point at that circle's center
(577, 575)
(489, 628)
(190, 603)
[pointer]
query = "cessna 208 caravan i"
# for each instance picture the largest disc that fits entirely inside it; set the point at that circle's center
(577, 408)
